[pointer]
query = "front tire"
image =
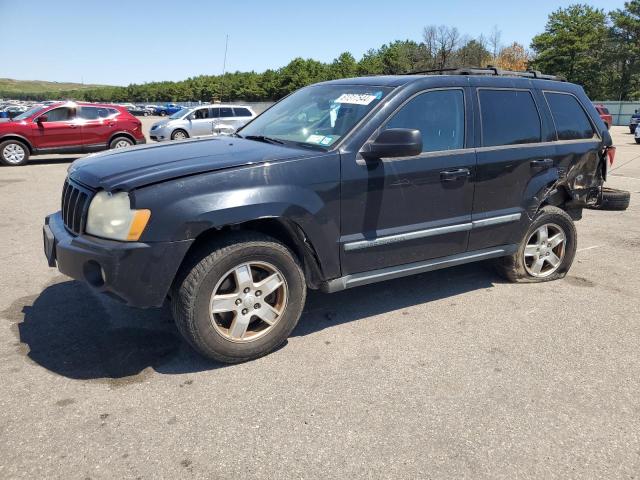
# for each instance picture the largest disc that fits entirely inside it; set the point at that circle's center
(14, 153)
(546, 251)
(179, 134)
(240, 300)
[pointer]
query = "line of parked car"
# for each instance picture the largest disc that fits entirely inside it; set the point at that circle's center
(71, 127)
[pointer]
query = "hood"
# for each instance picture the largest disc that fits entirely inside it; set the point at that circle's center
(161, 123)
(129, 168)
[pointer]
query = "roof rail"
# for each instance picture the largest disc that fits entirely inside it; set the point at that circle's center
(488, 70)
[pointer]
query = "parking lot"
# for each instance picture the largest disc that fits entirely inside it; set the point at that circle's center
(450, 374)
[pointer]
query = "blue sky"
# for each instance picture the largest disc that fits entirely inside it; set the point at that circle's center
(120, 42)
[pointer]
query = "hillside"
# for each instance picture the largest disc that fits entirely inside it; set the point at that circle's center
(9, 85)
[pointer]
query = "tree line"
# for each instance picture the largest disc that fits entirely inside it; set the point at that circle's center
(597, 49)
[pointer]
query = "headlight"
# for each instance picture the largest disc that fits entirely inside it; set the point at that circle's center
(110, 216)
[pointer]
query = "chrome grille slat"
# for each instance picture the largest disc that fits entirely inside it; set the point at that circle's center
(75, 203)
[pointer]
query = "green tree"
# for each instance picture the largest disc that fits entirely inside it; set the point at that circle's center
(625, 49)
(573, 45)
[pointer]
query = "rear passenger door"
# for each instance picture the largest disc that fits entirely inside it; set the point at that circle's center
(224, 124)
(514, 147)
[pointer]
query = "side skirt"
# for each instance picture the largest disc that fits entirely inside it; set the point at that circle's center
(373, 276)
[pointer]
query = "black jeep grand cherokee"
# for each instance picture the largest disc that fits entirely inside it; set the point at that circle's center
(340, 184)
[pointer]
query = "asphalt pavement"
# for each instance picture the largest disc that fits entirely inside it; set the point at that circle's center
(450, 374)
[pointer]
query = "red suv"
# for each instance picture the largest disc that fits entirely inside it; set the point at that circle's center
(67, 127)
(606, 117)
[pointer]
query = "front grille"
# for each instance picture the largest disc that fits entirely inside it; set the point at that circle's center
(75, 203)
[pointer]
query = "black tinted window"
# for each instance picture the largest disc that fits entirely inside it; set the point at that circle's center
(241, 112)
(509, 117)
(439, 115)
(89, 113)
(570, 119)
(60, 114)
(215, 112)
(226, 112)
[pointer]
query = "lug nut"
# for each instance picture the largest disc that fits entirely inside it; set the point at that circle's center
(258, 293)
(256, 306)
(246, 290)
(238, 301)
(245, 311)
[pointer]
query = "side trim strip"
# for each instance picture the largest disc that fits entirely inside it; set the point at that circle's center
(388, 273)
(430, 232)
(401, 237)
(485, 222)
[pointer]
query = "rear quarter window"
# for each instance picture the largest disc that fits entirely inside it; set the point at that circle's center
(508, 117)
(571, 121)
(241, 112)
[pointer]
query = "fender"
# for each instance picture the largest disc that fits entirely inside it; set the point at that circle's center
(538, 190)
(16, 136)
(309, 198)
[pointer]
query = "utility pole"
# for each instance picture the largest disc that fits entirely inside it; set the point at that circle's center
(224, 65)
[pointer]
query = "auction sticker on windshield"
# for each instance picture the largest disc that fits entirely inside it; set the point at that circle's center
(356, 98)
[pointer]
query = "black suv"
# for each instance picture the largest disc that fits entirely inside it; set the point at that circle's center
(340, 184)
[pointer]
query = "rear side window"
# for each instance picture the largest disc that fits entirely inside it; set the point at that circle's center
(509, 117)
(241, 112)
(93, 113)
(215, 112)
(570, 118)
(439, 115)
(226, 112)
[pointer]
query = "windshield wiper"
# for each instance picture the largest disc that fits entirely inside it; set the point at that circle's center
(262, 138)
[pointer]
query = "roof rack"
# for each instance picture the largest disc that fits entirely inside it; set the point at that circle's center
(488, 70)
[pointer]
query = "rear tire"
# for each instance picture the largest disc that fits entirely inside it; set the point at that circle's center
(236, 331)
(14, 153)
(534, 260)
(120, 142)
(163, 113)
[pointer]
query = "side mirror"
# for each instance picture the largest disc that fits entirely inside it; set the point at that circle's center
(42, 119)
(394, 142)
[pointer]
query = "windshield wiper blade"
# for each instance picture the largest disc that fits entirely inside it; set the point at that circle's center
(262, 138)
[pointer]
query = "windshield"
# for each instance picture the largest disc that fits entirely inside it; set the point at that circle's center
(28, 113)
(317, 115)
(179, 114)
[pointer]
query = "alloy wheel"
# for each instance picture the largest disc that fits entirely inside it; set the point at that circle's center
(13, 153)
(544, 250)
(122, 144)
(248, 301)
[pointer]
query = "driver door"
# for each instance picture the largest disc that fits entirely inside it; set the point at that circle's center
(201, 122)
(401, 210)
(60, 130)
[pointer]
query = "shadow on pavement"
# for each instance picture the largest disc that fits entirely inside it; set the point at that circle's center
(74, 332)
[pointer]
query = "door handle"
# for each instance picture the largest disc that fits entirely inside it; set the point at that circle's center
(451, 175)
(72, 126)
(545, 163)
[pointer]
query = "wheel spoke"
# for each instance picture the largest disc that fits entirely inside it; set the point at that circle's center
(530, 250)
(243, 277)
(238, 326)
(537, 266)
(556, 240)
(269, 284)
(224, 303)
(553, 259)
(543, 234)
(267, 313)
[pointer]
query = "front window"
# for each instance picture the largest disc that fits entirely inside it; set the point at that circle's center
(317, 115)
(28, 113)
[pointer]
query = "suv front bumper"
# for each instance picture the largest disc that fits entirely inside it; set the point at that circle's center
(138, 274)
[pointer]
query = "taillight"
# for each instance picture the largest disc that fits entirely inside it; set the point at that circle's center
(611, 154)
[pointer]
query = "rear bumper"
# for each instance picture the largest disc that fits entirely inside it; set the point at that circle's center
(138, 274)
(141, 141)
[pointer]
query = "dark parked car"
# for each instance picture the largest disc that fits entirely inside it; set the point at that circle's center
(633, 123)
(389, 176)
(67, 128)
(168, 109)
(140, 111)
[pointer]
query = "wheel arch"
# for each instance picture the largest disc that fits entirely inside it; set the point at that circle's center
(122, 133)
(281, 229)
(19, 138)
